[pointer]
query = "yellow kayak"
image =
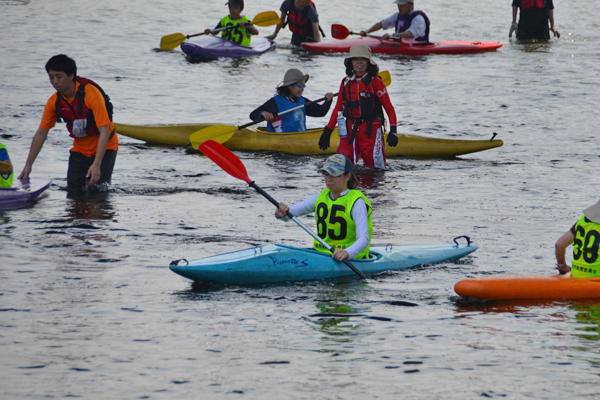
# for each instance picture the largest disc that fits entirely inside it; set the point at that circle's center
(257, 139)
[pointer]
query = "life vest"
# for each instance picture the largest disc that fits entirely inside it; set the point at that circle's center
(335, 224)
(299, 23)
(6, 180)
(294, 121)
(78, 110)
(360, 105)
(236, 34)
(586, 249)
(526, 4)
(403, 23)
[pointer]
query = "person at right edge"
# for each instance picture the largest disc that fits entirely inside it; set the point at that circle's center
(585, 237)
(360, 99)
(533, 20)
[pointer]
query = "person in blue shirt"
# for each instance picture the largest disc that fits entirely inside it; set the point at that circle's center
(289, 95)
(302, 18)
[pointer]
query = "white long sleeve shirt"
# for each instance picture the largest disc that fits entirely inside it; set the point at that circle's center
(417, 27)
(359, 216)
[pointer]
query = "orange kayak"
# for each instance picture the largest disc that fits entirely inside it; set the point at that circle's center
(514, 287)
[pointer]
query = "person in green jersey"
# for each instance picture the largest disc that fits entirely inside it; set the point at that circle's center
(241, 30)
(342, 213)
(6, 169)
(585, 237)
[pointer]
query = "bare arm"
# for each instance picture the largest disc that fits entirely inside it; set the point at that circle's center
(250, 28)
(552, 26)
(515, 13)
(94, 170)
(316, 32)
(374, 28)
(36, 146)
(277, 28)
(559, 249)
(403, 35)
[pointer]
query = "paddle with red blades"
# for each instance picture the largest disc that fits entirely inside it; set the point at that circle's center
(231, 164)
(341, 32)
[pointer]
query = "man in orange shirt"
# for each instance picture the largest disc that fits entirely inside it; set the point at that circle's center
(87, 110)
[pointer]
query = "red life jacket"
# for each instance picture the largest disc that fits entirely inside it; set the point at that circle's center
(525, 4)
(360, 105)
(358, 102)
(299, 24)
(78, 110)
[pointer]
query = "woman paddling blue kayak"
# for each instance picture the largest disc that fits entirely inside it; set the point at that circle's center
(343, 213)
(285, 263)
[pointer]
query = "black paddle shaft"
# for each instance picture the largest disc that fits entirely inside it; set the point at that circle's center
(284, 112)
(292, 217)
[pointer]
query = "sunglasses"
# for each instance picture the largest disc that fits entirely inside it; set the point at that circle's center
(301, 86)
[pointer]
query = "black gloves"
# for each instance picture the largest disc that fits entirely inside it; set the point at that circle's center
(324, 139)
(392, 139)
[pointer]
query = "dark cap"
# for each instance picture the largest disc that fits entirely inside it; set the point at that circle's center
(336, 165)
(239, 3)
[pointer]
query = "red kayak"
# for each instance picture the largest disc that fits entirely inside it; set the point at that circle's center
(519, 287)
(403, 47)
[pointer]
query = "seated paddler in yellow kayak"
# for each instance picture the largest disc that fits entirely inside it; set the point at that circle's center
(342, 212)
(241, 31)
(585, 237)
(288, 97)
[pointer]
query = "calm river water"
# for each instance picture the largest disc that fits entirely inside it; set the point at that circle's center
(89, 308)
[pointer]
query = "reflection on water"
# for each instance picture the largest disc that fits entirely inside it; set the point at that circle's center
(86, 205)
(589, 315)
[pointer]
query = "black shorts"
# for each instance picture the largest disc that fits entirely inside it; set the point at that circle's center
(80, 164)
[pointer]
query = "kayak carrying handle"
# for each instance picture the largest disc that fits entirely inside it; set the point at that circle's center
(493, 136)
(176, 262)
(388, 248)
(463, 236)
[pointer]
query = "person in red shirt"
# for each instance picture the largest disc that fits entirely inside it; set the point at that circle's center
(361, 100)
(88, 113)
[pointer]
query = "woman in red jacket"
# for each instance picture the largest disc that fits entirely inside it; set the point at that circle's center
(361, 100)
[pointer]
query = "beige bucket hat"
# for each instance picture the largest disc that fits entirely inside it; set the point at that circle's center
(593, 213)
(292, 76)
(402, 2)
(359, 51)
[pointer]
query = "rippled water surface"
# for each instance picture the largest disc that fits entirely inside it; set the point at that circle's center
(90, 309)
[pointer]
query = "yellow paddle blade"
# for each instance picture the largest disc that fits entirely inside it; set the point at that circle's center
(171, 41)
(385, 77)
(267, 18)
(218, 133)
(5, 166)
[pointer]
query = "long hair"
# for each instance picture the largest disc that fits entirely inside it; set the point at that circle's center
(284, 91)
(372, 70)
(353, 182)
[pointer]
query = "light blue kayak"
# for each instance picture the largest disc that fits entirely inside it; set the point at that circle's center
(279, 263)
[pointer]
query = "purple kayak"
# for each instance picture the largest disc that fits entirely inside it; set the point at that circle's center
(22, 193)
(214, 47)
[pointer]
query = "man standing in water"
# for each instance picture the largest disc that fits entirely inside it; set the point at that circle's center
(534, 19)
(87, 110)
(409, 24)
